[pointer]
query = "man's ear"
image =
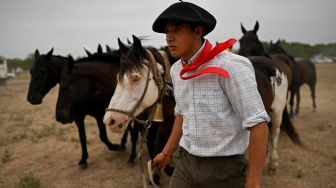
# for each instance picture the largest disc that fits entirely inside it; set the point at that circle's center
(199, 30)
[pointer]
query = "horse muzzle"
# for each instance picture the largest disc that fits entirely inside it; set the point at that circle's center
(116, 122)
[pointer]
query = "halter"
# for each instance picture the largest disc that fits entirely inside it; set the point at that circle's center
(152, 66)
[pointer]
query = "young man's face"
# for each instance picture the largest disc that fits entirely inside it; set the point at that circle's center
(182, 40)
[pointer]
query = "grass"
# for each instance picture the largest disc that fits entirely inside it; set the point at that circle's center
(28, 180)
(6, 157)
(46, 131)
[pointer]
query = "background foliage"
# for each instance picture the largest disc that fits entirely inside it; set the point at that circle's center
(296, 49)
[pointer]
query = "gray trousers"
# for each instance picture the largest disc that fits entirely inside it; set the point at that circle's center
(208, 172)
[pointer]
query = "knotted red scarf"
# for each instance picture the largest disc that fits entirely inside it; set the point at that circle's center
(205, 55)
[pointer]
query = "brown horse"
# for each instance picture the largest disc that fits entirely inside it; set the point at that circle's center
(251, 47)
(304, 73)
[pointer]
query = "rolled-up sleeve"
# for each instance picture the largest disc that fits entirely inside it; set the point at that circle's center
(241, 89)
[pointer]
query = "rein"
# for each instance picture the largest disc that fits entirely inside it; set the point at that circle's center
(131, 112)
(161, 83)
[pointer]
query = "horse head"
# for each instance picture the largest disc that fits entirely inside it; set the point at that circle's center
(72, 90)
(250, 44)
(44, 74)
(138, 87)
(275, 48)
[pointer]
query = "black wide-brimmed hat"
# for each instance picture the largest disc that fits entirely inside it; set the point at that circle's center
(185, 12)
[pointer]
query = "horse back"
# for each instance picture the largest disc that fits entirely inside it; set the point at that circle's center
(286, 65)
(264, 69)
(306, 71)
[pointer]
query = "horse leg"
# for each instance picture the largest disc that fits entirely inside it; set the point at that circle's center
(275, 132)
(162, 138)
(291, 102)
(312, 91)
(134, 130)
(152, 139)
(298, 99)
(124, 138)
(82, 164)
(278, 106)
(103, 135)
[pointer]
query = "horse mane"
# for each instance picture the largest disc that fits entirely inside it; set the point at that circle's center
(113, 57)
(171, 59)
(276, 48)
(132, 61)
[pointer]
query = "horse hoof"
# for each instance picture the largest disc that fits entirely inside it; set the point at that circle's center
(82, 166)
(130, 164)
(115, 147)
(271, 171)
(122, 148)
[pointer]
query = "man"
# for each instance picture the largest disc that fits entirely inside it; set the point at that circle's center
(219, 110)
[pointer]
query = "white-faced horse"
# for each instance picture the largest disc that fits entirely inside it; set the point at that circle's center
(143, 86)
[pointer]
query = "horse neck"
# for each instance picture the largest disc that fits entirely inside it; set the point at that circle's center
(101, 76)
(56, 66)
(261, 50)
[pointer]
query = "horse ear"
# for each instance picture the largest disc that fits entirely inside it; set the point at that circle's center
(71, 58)
(99, 49)
(129, 42)
(278, 42)
(137, 44)
(242, 28)
(71, 62)
(88, 53)
(108, 49)
(122, 47)
(256, 27)
(50, 52)
(37, 53)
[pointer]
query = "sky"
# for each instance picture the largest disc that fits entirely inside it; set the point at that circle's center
(69, 26)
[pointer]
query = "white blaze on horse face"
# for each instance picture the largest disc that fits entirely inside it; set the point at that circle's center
(127, 95)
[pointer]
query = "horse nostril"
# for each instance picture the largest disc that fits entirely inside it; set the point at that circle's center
(112, 121)
(120, 126)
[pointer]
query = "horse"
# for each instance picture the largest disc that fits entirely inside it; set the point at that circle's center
(87, 85)
(45, 74)
(251, 47)
(304, 73)
(144, 85)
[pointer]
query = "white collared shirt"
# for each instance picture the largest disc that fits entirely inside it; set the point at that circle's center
(217, 111)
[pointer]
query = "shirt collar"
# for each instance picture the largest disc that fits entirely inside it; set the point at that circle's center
(195, 55)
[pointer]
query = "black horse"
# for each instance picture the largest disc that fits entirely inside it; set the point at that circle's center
(45, 74)
(251, 47)
(82, 80)
(87, 85)
(304, 73)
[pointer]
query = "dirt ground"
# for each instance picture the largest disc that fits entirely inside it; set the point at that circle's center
(37, 150)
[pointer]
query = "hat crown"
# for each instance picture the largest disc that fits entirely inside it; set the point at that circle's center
(185, 12)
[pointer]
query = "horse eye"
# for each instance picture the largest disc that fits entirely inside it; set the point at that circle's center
(135, 77)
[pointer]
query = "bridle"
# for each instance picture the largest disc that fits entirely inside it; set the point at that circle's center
(152, 67)
(161, 84)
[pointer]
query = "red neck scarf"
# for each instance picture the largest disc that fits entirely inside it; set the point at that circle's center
(205, 55)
